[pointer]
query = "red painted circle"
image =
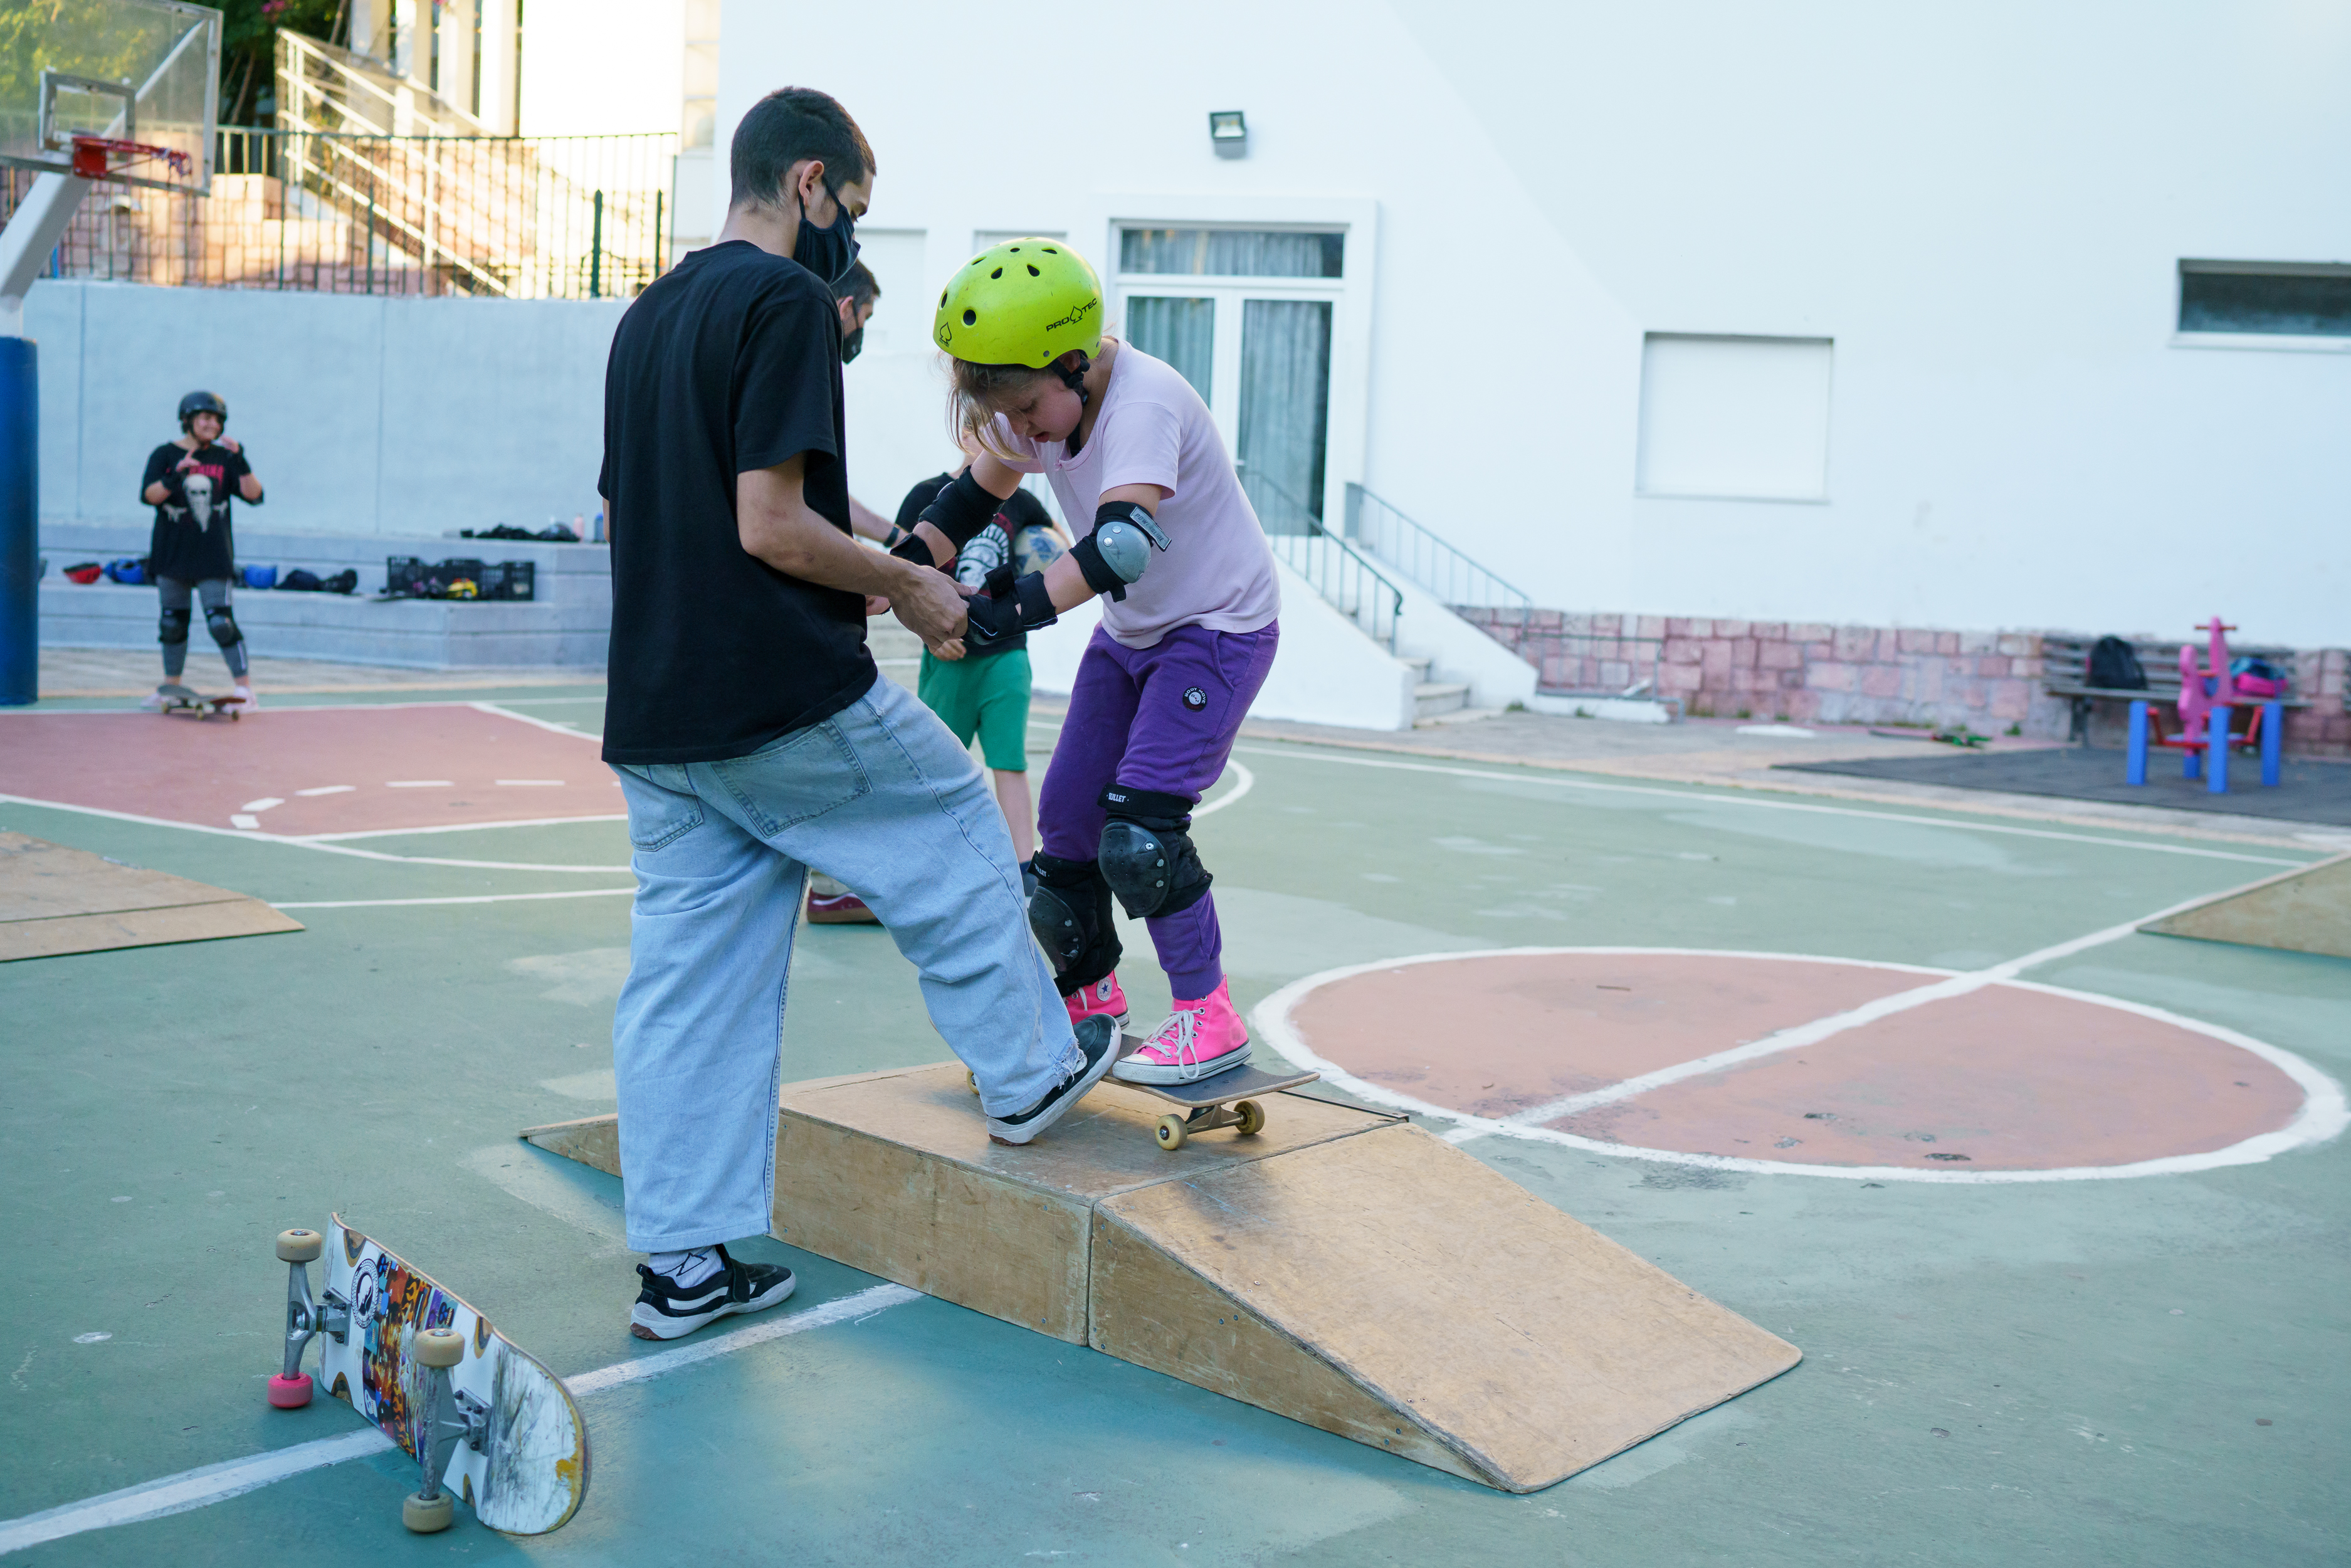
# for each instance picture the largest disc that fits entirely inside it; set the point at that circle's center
(2007, 1077)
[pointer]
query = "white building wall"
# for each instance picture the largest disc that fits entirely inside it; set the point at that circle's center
(1982, 208)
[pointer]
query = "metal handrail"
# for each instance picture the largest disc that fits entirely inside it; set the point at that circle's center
(1419, 554)
(1347, 579)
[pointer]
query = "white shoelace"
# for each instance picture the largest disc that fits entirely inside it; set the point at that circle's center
(1185, 1026)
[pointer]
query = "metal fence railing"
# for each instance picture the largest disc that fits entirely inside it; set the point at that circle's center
(1338, 571)
(574, 217)
(1452, 577)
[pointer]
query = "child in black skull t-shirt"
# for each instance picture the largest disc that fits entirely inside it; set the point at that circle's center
(192, 483)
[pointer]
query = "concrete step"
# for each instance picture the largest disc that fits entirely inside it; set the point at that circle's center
(1458, 716)
(1431, 699)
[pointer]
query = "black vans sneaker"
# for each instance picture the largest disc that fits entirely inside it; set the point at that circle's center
(1097, 1038)
(664, 1310)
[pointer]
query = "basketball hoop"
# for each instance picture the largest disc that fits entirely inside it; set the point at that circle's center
(90, 154)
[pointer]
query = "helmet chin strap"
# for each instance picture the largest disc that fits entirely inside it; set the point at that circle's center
(1076, 382)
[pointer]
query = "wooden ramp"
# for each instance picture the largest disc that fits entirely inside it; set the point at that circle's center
(2305, 911)
(1340, 1267)
(54, 900)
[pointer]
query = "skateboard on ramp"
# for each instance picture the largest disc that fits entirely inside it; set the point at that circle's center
(483, 1417)
(188, 700)
(1223, 1099)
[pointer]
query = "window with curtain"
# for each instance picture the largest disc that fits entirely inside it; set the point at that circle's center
(1285, 409)
(1181, 332)
(1232, 253)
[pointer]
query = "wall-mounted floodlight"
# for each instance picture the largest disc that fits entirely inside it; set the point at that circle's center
(1229, 132)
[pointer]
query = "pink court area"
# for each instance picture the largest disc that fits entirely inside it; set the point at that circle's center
(310, 771)
(2002, 1078)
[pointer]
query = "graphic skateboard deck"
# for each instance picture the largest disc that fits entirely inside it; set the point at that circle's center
(1222, 1100)
(504, 1430)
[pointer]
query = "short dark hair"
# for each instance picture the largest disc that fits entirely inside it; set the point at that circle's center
(791, 125)
(857, 284)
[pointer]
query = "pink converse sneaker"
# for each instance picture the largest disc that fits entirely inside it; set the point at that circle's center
(1199, 1041)
(1101, 999)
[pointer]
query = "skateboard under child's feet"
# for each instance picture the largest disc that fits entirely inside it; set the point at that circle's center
(483, 1417)
(1221, 1100)
(187, 699)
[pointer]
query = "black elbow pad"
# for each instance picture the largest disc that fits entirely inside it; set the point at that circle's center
(961, 510)
(913, 548)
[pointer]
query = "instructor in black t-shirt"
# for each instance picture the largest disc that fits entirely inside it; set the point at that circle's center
(755, 739)
(192, 483)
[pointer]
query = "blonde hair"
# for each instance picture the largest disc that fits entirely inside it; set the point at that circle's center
(977, 395)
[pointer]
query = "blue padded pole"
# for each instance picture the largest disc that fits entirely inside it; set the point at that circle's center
(2272, 744)
(2216, 749)
(2135, 767)
(20, 507)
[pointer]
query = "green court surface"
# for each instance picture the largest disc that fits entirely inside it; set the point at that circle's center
(2152, 1370)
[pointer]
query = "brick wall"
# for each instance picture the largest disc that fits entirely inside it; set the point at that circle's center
(1809, 671)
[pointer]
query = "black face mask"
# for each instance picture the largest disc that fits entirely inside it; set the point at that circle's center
(851, 344)
(828, 253)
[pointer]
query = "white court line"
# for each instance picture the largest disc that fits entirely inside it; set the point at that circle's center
(453, 828)
(548, 724)
(1248, 782)
(1696, 795)
(218, 1484)
(328, 789)
(262, 804)
(471, 898)
(312, 843)
(420, 784)
(239, 820)
(2324, 1113)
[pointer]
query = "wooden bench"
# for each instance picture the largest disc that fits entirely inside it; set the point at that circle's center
(2065, 673)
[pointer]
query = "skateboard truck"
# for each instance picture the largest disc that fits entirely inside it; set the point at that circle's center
(306, 1319)
(452, 1416)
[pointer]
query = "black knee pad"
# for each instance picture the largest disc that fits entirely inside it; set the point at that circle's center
(174, 629)
(222, 626)
(1069, 912)
(1147, 856)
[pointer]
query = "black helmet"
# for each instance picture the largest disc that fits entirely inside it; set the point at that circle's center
(197, 403)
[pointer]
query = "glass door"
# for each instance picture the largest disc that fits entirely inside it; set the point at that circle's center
(1246, 316)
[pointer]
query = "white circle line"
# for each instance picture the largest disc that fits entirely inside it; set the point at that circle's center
(2323, 1113)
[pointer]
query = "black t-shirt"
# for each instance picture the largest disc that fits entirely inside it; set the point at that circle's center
(729, 363)
(191, 542)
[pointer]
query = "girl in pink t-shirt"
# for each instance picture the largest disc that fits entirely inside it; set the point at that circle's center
(1186, 636)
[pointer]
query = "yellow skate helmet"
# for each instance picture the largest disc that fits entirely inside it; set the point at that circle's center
(1024, 302)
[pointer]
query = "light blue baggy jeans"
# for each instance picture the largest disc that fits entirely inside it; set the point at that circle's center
(882, 797)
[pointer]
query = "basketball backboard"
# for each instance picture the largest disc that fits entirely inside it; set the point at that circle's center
(124, 89)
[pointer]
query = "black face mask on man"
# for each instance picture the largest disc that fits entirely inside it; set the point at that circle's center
(828, 253)
(850, 342)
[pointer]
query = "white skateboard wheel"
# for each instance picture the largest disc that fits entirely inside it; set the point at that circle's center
(1170, 1132)
(299, 1246)
(440, 1347)
(1252, 1117)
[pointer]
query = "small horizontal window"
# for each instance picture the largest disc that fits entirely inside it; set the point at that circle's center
(2275, 297)
(1232, 253)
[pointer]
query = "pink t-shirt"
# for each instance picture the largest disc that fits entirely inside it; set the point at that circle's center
(1154, 429)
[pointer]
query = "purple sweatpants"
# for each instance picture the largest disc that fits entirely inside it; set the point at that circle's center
(1164, 718)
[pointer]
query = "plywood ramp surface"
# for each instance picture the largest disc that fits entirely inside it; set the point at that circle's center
(1391, 1288)
(2305, 910)
(1340, 1268)
(55, 900)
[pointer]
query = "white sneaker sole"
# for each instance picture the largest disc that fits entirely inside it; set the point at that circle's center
(646, 1323)
(1134, 1069)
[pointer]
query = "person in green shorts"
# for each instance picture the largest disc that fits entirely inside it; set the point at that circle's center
(987, 694)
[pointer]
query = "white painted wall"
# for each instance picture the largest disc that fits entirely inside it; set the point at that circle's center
(362, 415)
(601, 68)
(1981, 207)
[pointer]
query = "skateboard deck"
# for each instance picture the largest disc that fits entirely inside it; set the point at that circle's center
(186, 699)
(1226, 1099)
(530, 1472)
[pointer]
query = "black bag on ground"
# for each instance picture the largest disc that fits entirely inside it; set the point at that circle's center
(2115, 666)
(299, 581)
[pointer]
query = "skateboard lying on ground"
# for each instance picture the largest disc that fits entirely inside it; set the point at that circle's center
(1221, 1100)
(480, 1414)
(187, 699)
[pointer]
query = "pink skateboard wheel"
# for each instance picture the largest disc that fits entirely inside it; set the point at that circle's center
(290, 1392)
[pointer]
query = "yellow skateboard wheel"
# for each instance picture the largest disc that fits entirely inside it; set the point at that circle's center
(1170, 1132)
(1252, 1117)
(426, 1517)
(972, 1078)
(440, 1347)
(299, 1246)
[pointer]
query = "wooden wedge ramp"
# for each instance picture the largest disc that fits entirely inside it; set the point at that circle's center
(2305, 910)
(55, 900)
(1342, 1267)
